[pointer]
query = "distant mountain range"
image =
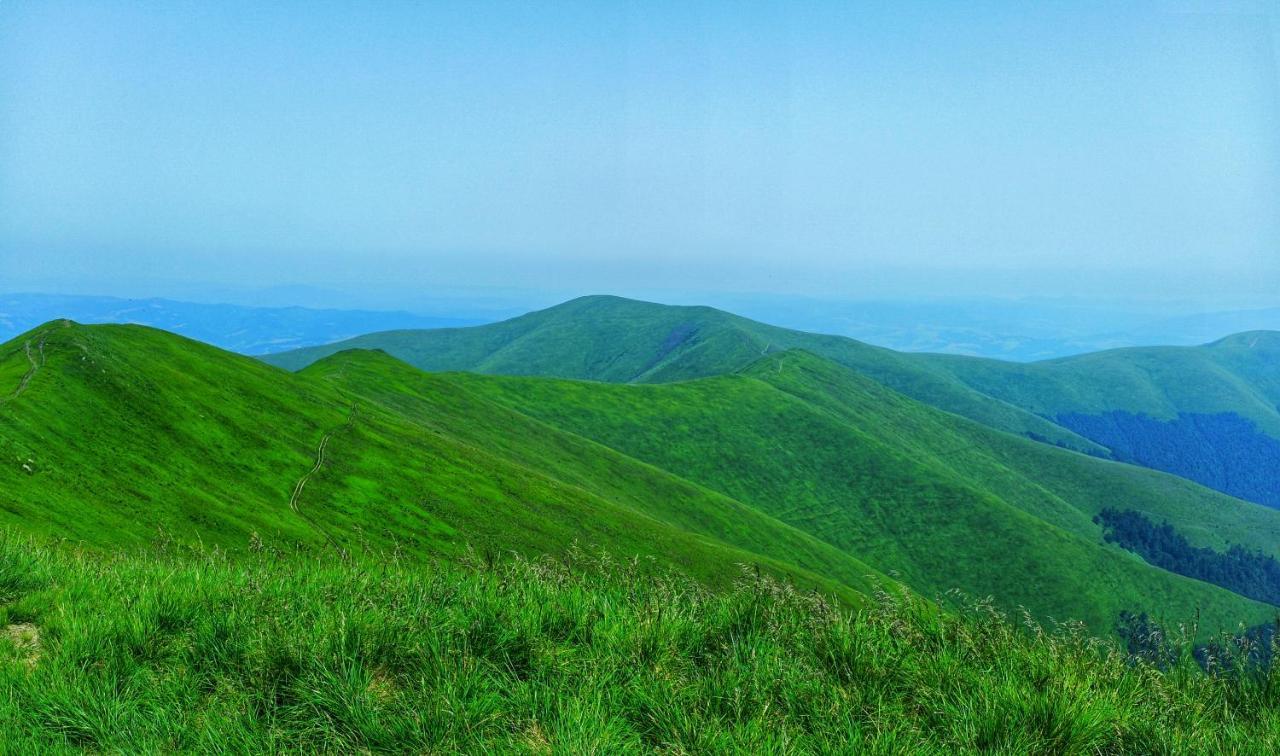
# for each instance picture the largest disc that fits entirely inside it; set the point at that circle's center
(248, 330)
(1019, 330)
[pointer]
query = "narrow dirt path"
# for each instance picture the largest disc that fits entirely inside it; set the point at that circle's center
(302, 482)
(31, 371)
(31, 358)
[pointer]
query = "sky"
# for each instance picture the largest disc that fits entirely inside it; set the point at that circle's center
(1058, 149)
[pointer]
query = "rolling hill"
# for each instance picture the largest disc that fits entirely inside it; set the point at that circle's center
(618, 340)
(119, 435)
(1209, 414)
(795, 463)
(942, 501)
(929, 496)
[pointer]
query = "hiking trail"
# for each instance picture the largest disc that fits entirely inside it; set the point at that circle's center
(302, 482)
(31, 371)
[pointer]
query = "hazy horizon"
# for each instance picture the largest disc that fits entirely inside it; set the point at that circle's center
(891, 152)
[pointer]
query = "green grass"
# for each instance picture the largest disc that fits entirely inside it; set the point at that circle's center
(1058, 486)
(1235, 375)
(128, 431)
(178, 650)
(1209, 413)
(940, 501)
(625, 341)
(798, 465)
(439, 583)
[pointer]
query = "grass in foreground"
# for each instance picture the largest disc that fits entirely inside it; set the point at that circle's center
(182, 651)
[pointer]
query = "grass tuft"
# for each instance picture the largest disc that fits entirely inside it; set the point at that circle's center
(186, 650)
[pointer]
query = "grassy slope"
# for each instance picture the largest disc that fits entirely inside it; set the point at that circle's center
(1184, 410)
(618, 340)
(625, 341)
(892, 505)
(125, 431)
(447, 408)
(1239, 374)
(129, 428)
(1210, 413)
(195, 653)
(1059, 486)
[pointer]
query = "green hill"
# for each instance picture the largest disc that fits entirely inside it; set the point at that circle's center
(796, 464)
(618, 340)
(1209, 414)
(1057, 485)
(1239, 374)
(941, 501)
(125, 434)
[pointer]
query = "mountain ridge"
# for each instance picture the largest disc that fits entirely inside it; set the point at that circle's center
(1172, 409)
(614, 339)
(126, 427)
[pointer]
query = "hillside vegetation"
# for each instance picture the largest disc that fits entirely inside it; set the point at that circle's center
(620, 340)
(123, 433)
(199, 551)
(798, 465)
(941, 501)
(1210, 414)
(192, 651)
(1236, 375)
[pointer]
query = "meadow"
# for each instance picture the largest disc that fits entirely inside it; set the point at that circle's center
(172, 649)
(202, 552)
(796, 464)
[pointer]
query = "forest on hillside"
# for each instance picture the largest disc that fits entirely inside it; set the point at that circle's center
(1223, 451)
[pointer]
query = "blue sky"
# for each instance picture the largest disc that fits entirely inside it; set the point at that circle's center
(970, 149)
